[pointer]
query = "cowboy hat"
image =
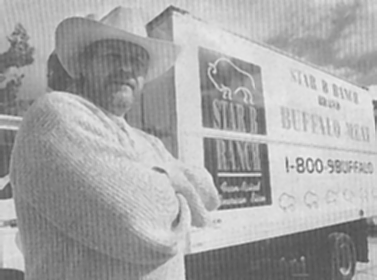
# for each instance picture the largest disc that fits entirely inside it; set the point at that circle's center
(74, 34)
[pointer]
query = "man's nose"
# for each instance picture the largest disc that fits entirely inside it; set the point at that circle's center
(126, 68)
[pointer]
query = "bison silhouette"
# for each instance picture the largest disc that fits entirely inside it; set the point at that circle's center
(311, 199)
(231, 80)
(287, 202)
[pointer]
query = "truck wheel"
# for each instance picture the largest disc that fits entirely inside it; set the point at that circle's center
(342, 254)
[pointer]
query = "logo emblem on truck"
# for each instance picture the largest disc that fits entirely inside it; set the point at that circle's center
(311, 199)
(287, 202)
(331, 196)
(231, 80)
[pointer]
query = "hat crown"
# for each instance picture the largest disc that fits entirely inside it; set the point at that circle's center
(126, 19)
(74, 34)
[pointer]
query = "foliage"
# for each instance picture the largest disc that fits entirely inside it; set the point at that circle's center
(18, 55)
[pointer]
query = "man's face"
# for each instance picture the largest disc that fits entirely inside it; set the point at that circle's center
(114, 73)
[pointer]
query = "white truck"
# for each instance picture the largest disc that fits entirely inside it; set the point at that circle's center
(292, 150)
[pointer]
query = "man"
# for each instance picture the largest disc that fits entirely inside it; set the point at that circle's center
(96, 198)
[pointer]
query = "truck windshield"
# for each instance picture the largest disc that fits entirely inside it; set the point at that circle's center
(6, 143)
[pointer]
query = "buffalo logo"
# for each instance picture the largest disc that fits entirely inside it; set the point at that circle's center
(331, 196)
(232, 81)
(348, 195)
(364, 195)
(287, 202)
(311, 199)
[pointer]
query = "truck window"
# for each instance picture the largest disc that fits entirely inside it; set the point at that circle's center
(6, 144)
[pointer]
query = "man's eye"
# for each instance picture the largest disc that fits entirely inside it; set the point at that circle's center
(139, 62)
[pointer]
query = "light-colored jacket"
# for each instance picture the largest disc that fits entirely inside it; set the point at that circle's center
(94, 197)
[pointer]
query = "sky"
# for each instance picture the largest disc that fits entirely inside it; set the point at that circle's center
(338, 35)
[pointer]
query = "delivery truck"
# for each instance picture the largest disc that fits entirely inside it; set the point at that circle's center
(291, 148)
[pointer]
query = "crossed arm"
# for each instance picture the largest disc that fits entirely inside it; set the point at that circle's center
(71, 168)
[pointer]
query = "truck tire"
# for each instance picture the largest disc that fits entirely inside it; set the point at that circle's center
(342, 257)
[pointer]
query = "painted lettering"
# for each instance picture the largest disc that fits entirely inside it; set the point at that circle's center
(234, 116)
(295, 75)
(313, 83)
(357, 132)
(243, 187)
(301, 121)
(245, 164)
(216, 114)
(237, 156)
(221, 155)
(253, 128)
(240, 117)
(254, 155)
(257, 198)
(355, 97)
(309, 81)
(250, 187)
(224, 115)
(325, 87)
(232, 125)
(303, 79)
(232, 163)
(345, 94)
(233, 201)
(285, 118)
(348, 94)
(329, 103)
(225, 188)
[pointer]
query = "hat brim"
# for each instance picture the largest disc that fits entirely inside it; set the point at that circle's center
(74, 34)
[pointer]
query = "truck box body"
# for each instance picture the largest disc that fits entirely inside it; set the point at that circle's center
(291, 148)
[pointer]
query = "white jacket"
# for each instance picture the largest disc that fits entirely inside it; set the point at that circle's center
(90, 202)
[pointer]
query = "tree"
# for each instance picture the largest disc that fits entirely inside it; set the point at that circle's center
(18, 55)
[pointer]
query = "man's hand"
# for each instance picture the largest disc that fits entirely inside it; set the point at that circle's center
(183, 186)
(202, 180)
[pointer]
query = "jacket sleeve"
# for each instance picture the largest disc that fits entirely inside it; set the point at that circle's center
(204, 185)
(70, 166)
(198, 177)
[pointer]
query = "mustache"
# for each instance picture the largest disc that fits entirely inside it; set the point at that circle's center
(122, 79)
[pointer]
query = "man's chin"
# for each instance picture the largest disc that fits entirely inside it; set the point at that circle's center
(122, 103)
(122, 98)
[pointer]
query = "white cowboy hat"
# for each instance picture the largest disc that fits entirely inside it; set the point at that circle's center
(74, 34)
